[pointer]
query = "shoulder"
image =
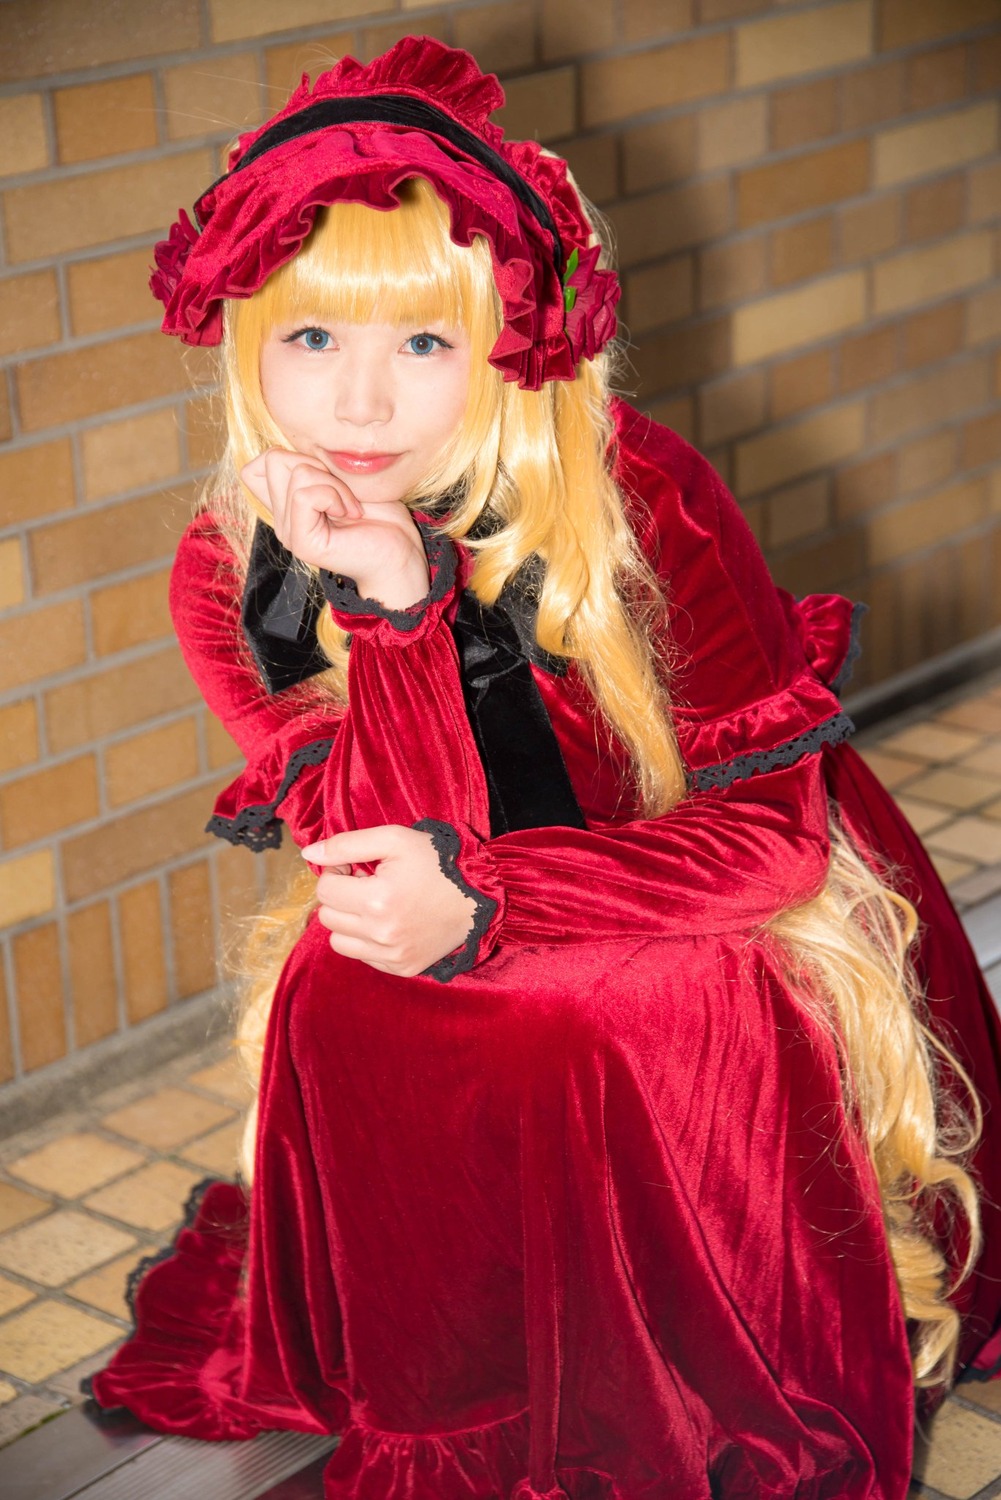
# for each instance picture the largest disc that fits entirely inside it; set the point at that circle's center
(204, 579)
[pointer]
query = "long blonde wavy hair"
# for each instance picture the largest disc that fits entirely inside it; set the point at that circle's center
(538, 461)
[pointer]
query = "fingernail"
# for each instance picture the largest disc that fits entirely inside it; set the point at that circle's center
(312, 852)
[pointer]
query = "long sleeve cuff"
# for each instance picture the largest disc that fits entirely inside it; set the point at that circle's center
(370, 620)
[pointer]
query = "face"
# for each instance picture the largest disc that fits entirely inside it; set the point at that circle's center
(374, 402)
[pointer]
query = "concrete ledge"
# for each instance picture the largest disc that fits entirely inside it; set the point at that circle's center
(917, 686)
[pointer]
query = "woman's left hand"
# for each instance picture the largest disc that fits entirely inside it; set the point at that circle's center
(403, 917)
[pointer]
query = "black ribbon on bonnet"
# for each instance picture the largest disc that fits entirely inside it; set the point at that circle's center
(526, 776)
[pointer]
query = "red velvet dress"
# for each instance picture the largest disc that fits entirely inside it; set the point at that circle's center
(587, 1217)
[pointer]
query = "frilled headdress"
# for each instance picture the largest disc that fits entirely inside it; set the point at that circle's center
(420, 110)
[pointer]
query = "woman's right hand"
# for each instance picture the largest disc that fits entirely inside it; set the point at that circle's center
(321, 522)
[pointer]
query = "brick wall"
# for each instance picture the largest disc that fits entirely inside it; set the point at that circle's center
(807, 203)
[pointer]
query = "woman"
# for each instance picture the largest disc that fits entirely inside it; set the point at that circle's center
(599, 1149)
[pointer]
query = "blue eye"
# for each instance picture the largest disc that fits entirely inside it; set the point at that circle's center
(425, 343)
(313, 338)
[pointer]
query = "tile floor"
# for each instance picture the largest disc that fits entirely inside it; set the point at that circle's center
(85, 1196)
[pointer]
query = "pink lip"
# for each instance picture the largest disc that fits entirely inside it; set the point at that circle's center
(362, 463)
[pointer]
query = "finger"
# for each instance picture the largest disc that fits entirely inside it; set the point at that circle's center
(345, 893)
(345, 924)
(277, 470)
(359, 846)
(255, 479)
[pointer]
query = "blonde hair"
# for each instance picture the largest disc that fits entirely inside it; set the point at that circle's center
(539, 461)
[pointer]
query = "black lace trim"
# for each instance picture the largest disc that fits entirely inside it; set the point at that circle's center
(854, 651)
(447, 845)
(257, 826)
(140, 1269)
(831, 732)
(342, 592)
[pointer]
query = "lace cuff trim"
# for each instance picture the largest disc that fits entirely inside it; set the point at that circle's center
(447, 845)
(831, 732)
(257, 825)
(342, 592)
(854, 651)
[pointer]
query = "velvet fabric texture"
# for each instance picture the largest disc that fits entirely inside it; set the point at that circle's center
(588, 1220)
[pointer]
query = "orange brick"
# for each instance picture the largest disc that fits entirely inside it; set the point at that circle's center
(731, 133)
(802, 183)
(53, 37)
(540, 106)
(93, 984)
(935, 208)
(71, 213)
(36, 481)
(934, 145)
(111, 292)
(137, 842)
(730, 10)
(105, 119)
(500, 36)
(985, 193)
(799, 383)
(131, 613)
(647, 20)
(802, 250)
(871, 95)
(868, 358)
(89, 708)
(29, 312)
(983, 316)
(811, 567)
(12, 586)
(660, 294)
(659, 153)
(18, 735)
(203, 98)
(594, 163)
(917, 524)
(654, 78)
(804, 113)
(378, 39)
(864, 486)
(47, 801)
(131, 454)
(143, 962)
(41, 642)
(683, 355)
(27, 886)
(204, 431)
(731, 407)
(105, 541)
(231, 20)
(151, 762)
(936, 78)
(982, 441)
(904, 22)
(285, 65)
(672, 219)
(928, 337)
(731, 272)
(786, 46)
(24, 145)
(928, 400)
(675, 412)
(192, 929)
(222, 749)
(567, 30)
(239, 896)
(869, 229)
(6, 1048)
(6, 427)
(926, 461)
(791, 319)
(787, 453)
(39, 983)
(82, 382)
(987, 65)
(927, 274)
(799, 511)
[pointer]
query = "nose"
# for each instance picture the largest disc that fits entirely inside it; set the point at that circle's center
(364, 394)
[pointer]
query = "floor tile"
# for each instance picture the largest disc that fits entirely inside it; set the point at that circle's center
(17, 1206)
(982, 714)
(74, 1164)
(937, 742)
(985, 1393)
(949, 869)
(167, 1118)
(922, 816)
(992, 810)
(152, 1198)
(227, 1079)
(67, 1382)
(986, 758)
(105, 1289)
(892, 770)
(8, 1392)
(12, 1295)
(977, 839)
(954, 788)
(963, 1454)
(26, 1412)
(217, 1152)
(980, 886)
(48, 1337)
(51, 1251)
